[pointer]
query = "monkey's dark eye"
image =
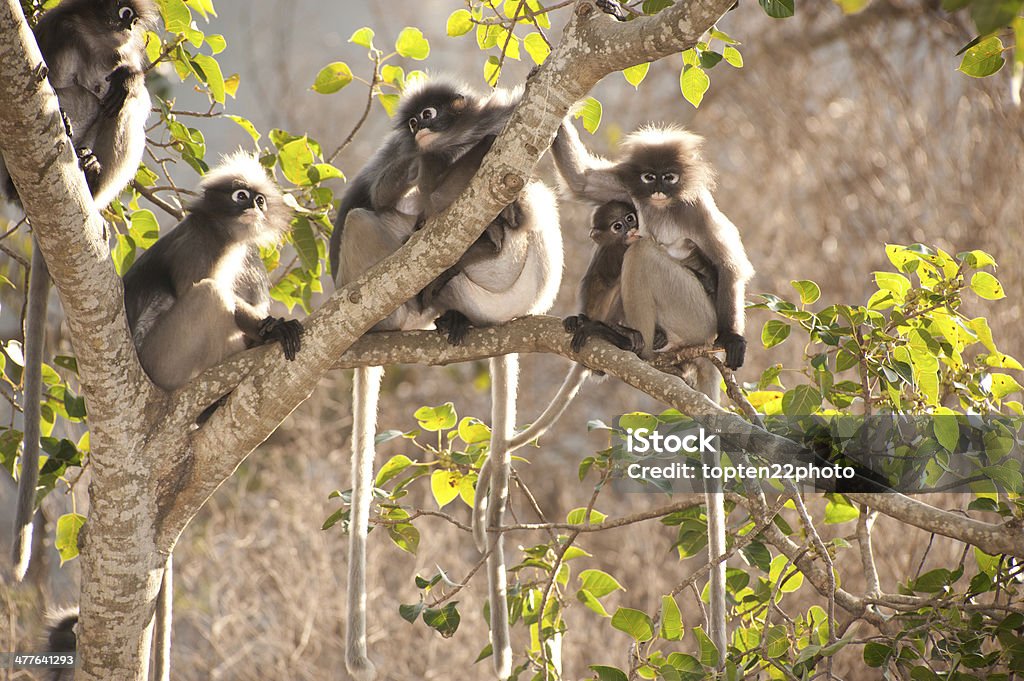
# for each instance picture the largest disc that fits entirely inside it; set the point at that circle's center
(261, 202)
(413, 125)
(648, 178)
(670, 178)
(125, 13)
(616, 226)
(428, 113)
(241, 196)
(631, 219)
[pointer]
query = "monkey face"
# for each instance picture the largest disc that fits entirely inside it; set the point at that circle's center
(430, 111)
(663, 167)
(614, 222)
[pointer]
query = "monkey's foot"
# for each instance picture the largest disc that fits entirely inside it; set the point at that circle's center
(614, 8)
(286, 331)
(660, 338)
(89, 164)
(735, 347)
(120, 81)
(454, 325)
(67, 124)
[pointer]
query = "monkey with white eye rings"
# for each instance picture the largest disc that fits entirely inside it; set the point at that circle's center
(201, 293)
(422, 166)
(687, 247)
(94, 54)
(661, 171)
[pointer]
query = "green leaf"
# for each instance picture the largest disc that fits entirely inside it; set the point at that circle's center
(977, 259)
(66, 542)
(671, 619)
(876, 654)
(590, 111)
(693, 83)
(852, 6)
(412, 45)
(460, 22)
(774, 332)
(217, 43)
(392, 468)
(983, 59)
(778, 9)
(536, 47)
(838, 511)
(492, 70)
(891, 281)
(409, 613)
(1003, 385)
(332, 78)
(590, 600)
(599, 583)
(808, 290)
(445, 620)
(608, 673)
(176, 15)
(444, 485)
(635, 75)
(246, 125)
(947, 431)
(989, 15)
(709, 654)
(794, 578)
(578, 516)
(212, 76)
(296, 157)
(733, 56)
(801, 401)
(435, 419)
(472, 431)
(405, 536)
(636, 623)
(363, 37)
(777, 641)
(987, 286)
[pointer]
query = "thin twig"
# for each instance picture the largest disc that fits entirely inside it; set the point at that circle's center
(366, 110)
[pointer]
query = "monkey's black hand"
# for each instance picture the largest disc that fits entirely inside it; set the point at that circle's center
(120, 80)
(67, 124)
(90, 165)
(574, 323)
(614, 8)
(286, 331)
(735, 347)
(454, 325)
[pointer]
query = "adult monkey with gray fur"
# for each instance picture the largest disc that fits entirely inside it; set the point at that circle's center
(197, 296)
(661, 171)
(522, 278)
(94, 53)
(201, 293)
(437, 125)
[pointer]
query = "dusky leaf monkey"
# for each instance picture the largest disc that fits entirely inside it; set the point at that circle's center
(513, 269)
(421, 167)
(94, 54)
(687, 249)
(201, 293)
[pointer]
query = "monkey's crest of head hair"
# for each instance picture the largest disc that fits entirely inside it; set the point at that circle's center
(424, 92)
(243, 170)
(661, 143)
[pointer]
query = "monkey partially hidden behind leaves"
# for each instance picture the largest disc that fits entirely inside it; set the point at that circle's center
(94, 54)
(201, 293)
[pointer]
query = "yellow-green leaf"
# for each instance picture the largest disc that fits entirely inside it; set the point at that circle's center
(296, 157)
(635, 75)
(444, 485)
(987, 286)
(363, 37)
(332, 78)
(1003, 385)
(460, 22)
(66, 542)
(214, 77)
(590, 111)
(983, 59)
(412, 45)
(536, 47)
(733, 56)
(246, 125)
(694, 83)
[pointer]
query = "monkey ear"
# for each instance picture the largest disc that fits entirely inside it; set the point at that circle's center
(459, 103)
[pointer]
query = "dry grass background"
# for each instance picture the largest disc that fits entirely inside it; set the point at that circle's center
(838, 135)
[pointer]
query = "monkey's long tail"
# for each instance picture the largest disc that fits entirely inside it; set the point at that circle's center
(714, 499)
(504, 387)
(365, 391)
(570, 387)
(568, 391)
(35, 337)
